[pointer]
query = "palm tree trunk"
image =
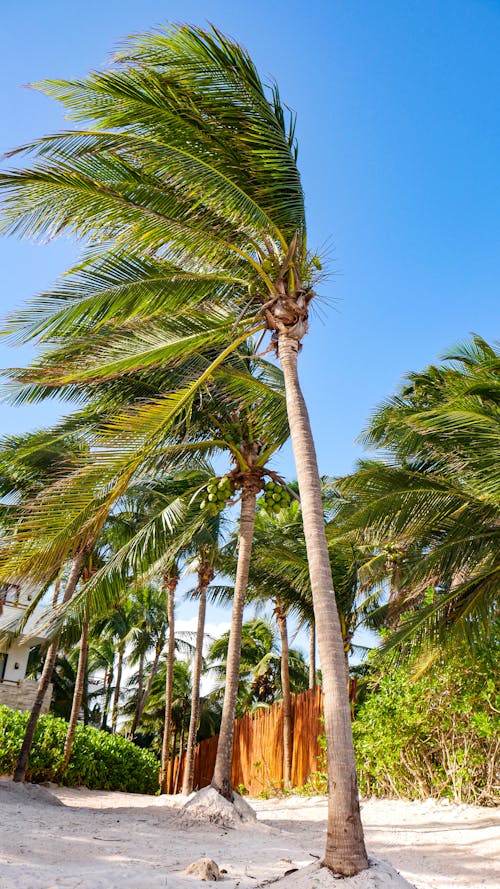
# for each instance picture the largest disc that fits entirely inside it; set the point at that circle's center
(345, 851)
(137, 712)
(187, 783)
(312, 656)
(78, 692)
(48, 669)
(287, 702)
(85, 695)
(181, 750)
(170, 770)
(108, 680)
(164, 777)
(222, 773)
(116, 696)
(151, 678)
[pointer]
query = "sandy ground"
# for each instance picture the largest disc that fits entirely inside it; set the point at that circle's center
(103, 840)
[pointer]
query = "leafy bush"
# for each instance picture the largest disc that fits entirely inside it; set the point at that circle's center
(433, 736)
(98, 760)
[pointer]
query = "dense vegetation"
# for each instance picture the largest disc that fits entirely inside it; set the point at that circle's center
(434, 736)
(99, 760)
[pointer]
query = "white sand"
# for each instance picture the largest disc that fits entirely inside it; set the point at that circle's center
(102, 840)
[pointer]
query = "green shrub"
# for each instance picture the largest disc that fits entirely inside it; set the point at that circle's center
(433, 736)
(98, 760)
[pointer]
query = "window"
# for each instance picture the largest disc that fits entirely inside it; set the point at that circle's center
(9, 593)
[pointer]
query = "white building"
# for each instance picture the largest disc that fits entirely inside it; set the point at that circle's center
(15, 690)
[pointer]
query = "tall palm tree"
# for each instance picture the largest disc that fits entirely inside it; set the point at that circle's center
(150, 634)
(118, 625)
(79, 689)
(205, 561)
(170, 580)
(186, 173)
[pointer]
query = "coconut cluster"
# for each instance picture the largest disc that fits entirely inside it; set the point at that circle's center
(276, 497)
(218, 492)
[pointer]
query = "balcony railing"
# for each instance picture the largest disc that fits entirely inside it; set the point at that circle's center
(13, 603)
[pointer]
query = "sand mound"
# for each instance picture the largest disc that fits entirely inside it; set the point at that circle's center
(210, 807)
(16, 790)
(379, 875)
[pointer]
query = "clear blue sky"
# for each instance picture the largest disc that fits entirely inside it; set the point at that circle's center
(399, 132)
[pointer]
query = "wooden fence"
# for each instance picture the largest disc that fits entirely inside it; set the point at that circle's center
(258, 747)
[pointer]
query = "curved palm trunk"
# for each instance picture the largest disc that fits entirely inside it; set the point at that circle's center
(48, 669)
(79, 689)
(312, 656)
(116, 696)
(149, 683)
(287, 702)
(165, 780)
(187, 782)
(222, 773)
(345, 851)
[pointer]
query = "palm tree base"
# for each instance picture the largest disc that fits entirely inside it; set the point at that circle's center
(379, 874)
(208, 805)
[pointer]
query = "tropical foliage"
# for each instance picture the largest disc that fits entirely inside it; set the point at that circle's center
(260, 666)
(99, 760)
(428, 512)
(434, 736)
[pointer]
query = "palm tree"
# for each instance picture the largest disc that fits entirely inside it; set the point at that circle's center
(186, 172)
(170, 581)
(117, 626)
(101, 660)
(261, 680)
(151, 627)
(431, 507)
(79, 688)
(246, 411)
(205, 561)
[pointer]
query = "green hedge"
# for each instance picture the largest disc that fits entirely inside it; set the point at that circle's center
(433, 736)
(98, 760)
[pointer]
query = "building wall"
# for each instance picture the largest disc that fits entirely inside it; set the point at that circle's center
(15, 690)
(21, 695)
(17, 661)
